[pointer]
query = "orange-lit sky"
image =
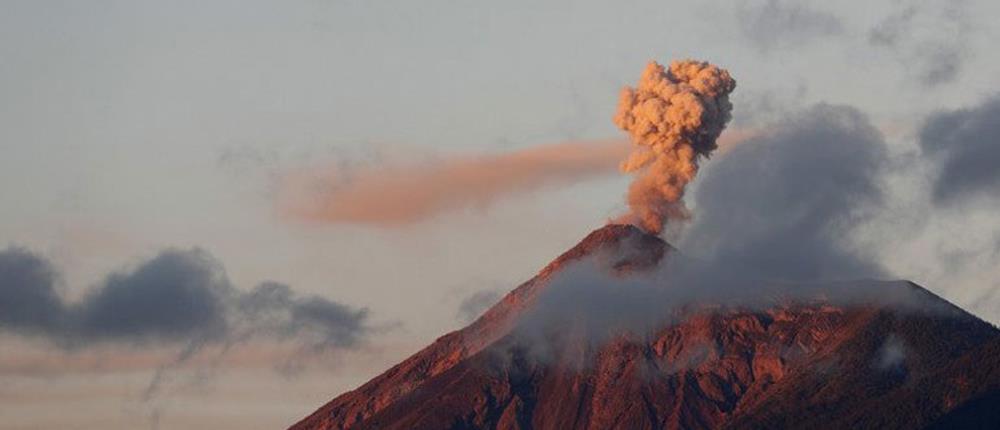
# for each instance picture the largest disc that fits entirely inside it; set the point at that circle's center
(131, 127)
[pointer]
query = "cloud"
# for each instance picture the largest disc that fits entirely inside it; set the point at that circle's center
(275, 308)
(929, 38)
(893, 27)
(29, 300)
(404, 193)
(177, 297)
(775, 24)
(940, 228)
(475, 304)
(591, 300)
(174, 296)
(784, 204)
(965, 144)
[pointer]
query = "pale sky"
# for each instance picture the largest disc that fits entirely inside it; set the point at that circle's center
(129, 127)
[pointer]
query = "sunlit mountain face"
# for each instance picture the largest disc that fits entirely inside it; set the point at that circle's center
(556, 352)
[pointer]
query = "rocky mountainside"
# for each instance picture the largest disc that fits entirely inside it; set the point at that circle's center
(802, 363)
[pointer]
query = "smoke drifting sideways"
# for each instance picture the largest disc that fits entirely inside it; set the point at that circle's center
(772, 225)
(406, 193)
(589, 303)
(177, 297)
(673, 116)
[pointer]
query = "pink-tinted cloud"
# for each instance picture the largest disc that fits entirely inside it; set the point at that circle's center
(399, 194)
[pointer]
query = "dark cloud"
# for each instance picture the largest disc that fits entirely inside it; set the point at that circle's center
(179, 296)
(966, 144)
(275, 308)
(776, 24)
(784, 204)
(928, 38)
(29, 300)
(475, 304)
(176, 295)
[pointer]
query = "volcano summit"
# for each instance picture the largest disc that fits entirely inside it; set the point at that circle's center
(863, 354)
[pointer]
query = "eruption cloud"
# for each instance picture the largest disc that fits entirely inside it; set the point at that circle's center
(673, 117)
(401, 194)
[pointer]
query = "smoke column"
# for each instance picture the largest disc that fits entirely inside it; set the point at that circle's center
(673, 117)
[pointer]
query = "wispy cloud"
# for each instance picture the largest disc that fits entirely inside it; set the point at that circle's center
(930, 38)
(776, 24)
(395, 194)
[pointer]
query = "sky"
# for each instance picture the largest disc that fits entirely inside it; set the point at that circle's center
(153, 144)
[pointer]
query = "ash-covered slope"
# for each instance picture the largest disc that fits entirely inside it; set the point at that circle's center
(802, 363)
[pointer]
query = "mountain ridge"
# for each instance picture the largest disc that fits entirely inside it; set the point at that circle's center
(711, 368)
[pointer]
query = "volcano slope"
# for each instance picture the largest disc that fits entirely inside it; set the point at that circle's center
(899, 358)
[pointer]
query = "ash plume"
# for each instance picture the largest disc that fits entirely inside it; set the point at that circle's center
(406, 193)
(673, 116)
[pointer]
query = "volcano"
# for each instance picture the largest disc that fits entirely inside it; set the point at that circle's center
(794, 362)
